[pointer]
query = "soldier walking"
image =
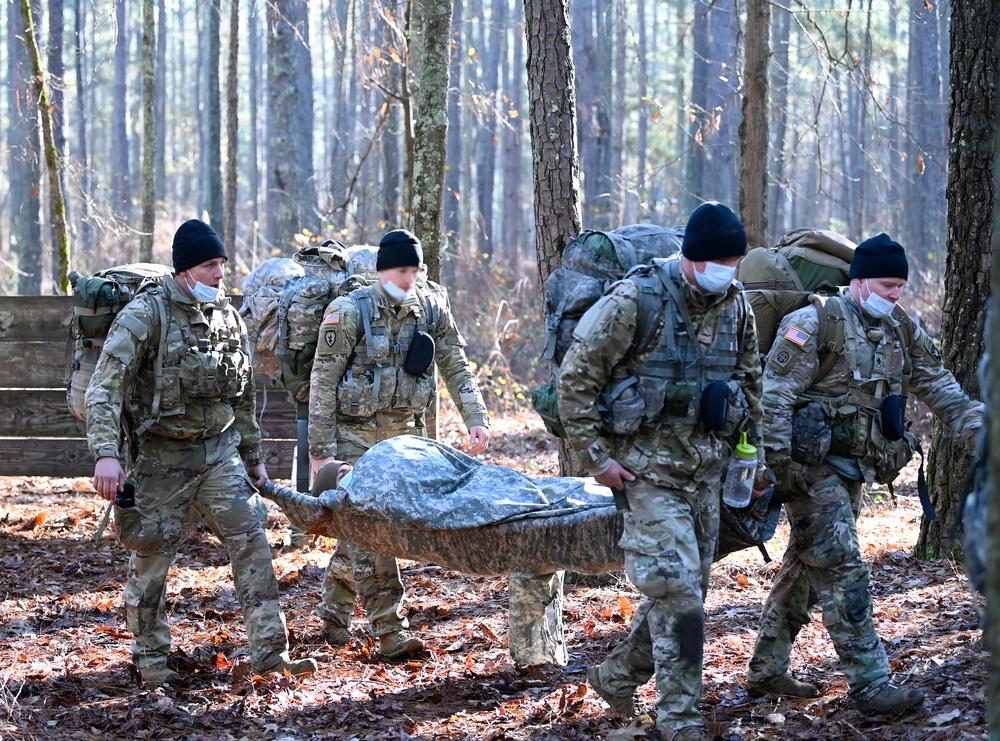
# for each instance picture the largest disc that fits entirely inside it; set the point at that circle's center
(373, 379)
(665, 445)
(882, 357)
(175, 376)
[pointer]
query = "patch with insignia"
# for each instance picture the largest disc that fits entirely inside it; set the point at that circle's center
(782, 357)
(796, 335)
(333, 318)
(330, 336)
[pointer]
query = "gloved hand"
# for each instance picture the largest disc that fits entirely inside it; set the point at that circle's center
(794, 480)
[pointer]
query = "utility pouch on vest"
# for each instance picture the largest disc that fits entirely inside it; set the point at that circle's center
(894, 417)
(677, 399)
(420, 355)
(622, 407)
(715, 406)
(841, 439)
(811, 434)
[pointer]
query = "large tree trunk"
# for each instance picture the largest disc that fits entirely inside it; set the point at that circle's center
(120, 173)
(556, 168)
(232, 128)
(724, 102)
(975, 86)
(587, 104)
(148, 130)
(991, 636)
(780, 26)
(753, 128)
(51, 153)
(431, 133)
(512, 171)
(291, 195)
(701, 129)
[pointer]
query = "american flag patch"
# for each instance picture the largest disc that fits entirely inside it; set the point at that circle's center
(333, 318)
(796, 335)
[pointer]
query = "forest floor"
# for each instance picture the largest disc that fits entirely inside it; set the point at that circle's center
(65, 669)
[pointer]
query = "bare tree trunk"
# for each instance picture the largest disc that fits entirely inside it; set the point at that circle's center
(291, 194)
(160, 177)
(57, 72)
(991, 636)
(79, 42)
(696, 151)
(975, 85)
(431, 133)
(343, 115)
(51, 153)
(781, 23)
(148, 130)
(585, 56)
(753, 128)
(724, 103)
(621, 91)
(393, 131)
(213, 119)
(453, 169)
(253, 158)
(486, 159)
(512, 133)
(643, 144)
(120, 174)
(232, 128)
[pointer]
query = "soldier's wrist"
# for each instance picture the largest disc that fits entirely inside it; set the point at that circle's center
(106, 451)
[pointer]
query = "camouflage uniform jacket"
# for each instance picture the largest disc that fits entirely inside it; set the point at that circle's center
(345, 398)
(870, 368)
(665, 452)
(207, 379)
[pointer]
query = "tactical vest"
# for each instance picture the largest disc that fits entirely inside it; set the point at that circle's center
(187, 368)
(670, 379)
(855, 416)
(375, 380)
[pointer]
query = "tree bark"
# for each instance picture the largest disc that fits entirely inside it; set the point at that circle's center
(753, 128)
(232, 128)
(975, 86)
(253, 157)
(213, 120)
(991, 636)
(643, 145)
(291, 194)
(431, 133)
(512, 134)
(780, 26)
(453, 166)
(486, 158)
(160, 177)
(51, 153)
(552, 122)
(57, 72)
(148, 130)
(120, 173)
(82, 148)
(696, 152)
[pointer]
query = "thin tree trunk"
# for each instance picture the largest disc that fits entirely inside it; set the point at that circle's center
(120, 173)
(148, 130)
(780, 26)
(253, 174)
(453, 168)
(617, 178)
(975, 86)
(431, 133)
(513, 132)
(232, 123)
(160, 179)
(51, 153)
(696, 151)
(488, 134)
(213, 117)
(643, 145)
(79, 42)
(57, 72)
(753, 128)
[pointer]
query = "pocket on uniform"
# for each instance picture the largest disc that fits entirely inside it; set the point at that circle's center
(355, 396)
(415, 392)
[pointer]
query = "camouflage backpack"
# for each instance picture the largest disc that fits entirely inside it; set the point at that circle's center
(591, 264)
(261, 291)
(96, 301)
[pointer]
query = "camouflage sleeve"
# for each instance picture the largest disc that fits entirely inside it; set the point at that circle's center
(338, 335)
(600, 341)
(245, 407)
(748, 370)
(128, 340)
(938, 388)
(449, 356)
(788, 373)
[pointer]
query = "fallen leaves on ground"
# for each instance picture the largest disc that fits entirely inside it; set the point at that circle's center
(66, 671)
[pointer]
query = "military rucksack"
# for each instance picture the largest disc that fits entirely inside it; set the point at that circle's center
(261, 291)
(592, 263)
(97, 300)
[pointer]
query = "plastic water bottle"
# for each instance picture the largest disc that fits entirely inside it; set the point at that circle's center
(738, 487)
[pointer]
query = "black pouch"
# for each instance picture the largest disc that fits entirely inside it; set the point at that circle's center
(126, 498)
(715, 406)
(894, 417)
(420, 355)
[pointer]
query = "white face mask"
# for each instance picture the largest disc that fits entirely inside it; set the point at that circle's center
(394, 292)
(346, 480)
(204, 294)
(875, 305)
(716, 278)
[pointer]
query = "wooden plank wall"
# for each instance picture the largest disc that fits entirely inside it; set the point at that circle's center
(39, 435)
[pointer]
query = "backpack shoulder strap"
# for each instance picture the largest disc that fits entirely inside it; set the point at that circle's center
(159, 302)
(649, 320)
(365, 302)
(906, 332)
(830, 335)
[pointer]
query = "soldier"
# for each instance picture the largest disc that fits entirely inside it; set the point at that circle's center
(863, 437)
(667, 449)
(175, 376)
(372, 379)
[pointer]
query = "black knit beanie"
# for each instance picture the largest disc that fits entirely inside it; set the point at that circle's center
(196, 242)
(713, 233)
(880, 257)
(399, 249)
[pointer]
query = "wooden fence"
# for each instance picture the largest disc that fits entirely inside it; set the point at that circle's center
(38, 435)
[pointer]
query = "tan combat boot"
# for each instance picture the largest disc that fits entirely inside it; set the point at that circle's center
(158, 675)
(783, 685)
(336, 634)
(296, 667)
(890, 700)
(399, 643)
(626, 706)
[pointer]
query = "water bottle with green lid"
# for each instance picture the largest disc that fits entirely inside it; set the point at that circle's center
(738, 487)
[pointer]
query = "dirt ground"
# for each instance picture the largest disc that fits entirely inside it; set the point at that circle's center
(65, 669)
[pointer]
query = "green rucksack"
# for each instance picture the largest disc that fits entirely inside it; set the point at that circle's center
(97, 299)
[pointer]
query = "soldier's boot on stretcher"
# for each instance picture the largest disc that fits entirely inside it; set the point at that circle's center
(889, 700)
(626, 706)
(399, 643)
(336, 634)
(783, 685)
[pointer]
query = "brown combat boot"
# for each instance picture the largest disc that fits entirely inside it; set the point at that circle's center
(295, 667)
(626, 706)
(158, 675)
(783, 685)
(336, 634)
(890, 700)
(398, 644)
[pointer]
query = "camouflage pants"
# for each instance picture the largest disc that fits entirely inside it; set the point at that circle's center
(823, 564)
(171, 476)
(669, 542)
(352, 571)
